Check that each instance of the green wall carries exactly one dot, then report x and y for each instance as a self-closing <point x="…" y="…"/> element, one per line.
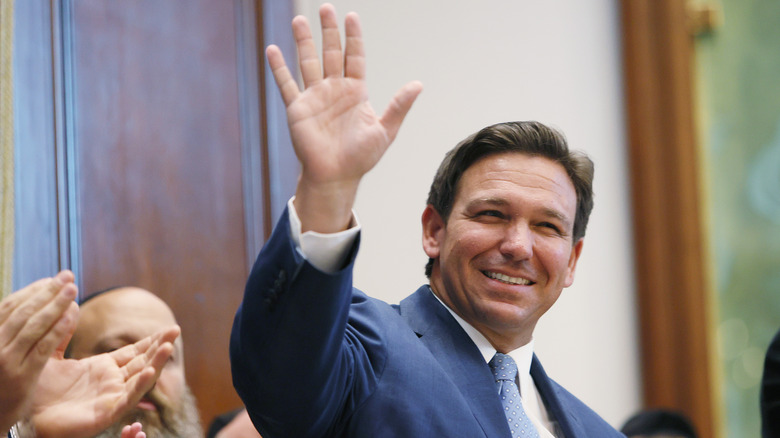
<point x="738" y="85"/>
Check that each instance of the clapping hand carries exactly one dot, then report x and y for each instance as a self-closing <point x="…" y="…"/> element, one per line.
<point x="33" y="322"/>
<point x="79" y="398"/>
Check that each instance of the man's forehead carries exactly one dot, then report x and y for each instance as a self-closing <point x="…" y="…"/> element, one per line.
<point x="519" y="167"/>
<point x="117" y="318"/>
<point x="125" y="309"/>
<point x="127" y="300"/>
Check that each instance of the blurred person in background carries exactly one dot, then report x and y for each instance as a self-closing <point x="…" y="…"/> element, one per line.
<point x="120" y="316"/>
<point x="49" y="396"/>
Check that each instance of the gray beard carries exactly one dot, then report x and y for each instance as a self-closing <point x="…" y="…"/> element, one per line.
<point x="181" y="423"/>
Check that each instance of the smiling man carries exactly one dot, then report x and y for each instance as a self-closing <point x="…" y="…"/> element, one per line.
<point x="117" y="317"/>
<point x="503" y="229"/>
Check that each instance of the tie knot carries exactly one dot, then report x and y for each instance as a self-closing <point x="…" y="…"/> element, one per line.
<point x="504" y="367"/>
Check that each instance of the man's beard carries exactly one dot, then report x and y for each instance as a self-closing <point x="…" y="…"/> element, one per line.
<point x="166" y="422"/>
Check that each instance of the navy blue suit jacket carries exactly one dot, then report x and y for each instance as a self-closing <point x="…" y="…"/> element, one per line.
<point x="313" y="357"/>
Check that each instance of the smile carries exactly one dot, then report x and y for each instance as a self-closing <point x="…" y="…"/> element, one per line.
<point x="506" y="279"/>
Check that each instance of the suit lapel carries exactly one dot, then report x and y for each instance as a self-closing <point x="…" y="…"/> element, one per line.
<point x="458" y="357"/>
<point x="569" y="426"/>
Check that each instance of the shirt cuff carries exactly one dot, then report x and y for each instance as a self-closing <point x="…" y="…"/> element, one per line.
<point x="326" y="252"/>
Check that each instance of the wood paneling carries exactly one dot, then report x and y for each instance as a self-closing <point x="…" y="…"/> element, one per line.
<point x="138" y="159"/>
<point x="671" y="279"/>
<point x="157" y="158"/>
<point x="144" y="156"/>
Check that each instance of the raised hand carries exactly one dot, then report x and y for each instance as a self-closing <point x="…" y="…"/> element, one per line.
<point x="33" y="322"/>
<point x="79" y="398"/>
<point x="336" y="134"/>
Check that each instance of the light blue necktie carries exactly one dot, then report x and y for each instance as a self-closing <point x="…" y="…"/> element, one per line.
<point x="505" y="371"/>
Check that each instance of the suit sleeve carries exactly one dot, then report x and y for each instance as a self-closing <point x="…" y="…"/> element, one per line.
<point x="297" y="364"/>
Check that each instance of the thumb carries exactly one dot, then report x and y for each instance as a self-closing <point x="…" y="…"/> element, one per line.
<point x="398" y="107"/>
<point x="59" y="353"/>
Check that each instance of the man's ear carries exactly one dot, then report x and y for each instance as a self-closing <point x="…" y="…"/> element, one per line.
<point x="576" y="250"/>
<point x="433" y="231"/>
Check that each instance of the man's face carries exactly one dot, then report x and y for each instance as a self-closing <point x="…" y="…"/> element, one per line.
<point x="506" y="251"/>
<point x="125" y="316"/>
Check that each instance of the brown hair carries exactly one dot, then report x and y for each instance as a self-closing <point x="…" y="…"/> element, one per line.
<point x="530" y="138"/>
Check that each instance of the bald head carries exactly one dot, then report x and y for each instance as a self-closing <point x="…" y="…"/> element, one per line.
<point x="117" y="318"/>
<point x="123" y="316"/>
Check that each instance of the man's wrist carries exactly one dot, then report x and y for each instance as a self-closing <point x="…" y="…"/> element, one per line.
<point x="326" y="252"/>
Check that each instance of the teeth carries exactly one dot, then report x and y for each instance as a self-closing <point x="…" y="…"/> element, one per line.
<point x="507" y="279"/>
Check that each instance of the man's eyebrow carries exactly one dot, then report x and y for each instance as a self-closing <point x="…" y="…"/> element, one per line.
<point x="489" y="201"/>
<point x="108" y="344"/>
<point x="550" y="212"/>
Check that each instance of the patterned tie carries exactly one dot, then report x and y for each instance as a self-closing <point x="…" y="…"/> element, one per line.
<point x="505" y="371"/>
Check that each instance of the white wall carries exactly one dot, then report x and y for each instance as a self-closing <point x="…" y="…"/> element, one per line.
<point x="482" y="63"/>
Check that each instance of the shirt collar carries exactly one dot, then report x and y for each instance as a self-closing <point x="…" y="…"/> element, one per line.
<point x="522" y="356"/>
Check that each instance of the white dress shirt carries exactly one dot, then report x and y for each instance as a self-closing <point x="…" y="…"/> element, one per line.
<point x="327" y="252"/>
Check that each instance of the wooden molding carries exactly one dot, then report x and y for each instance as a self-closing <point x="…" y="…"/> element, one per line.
<point x="670" y="253"/>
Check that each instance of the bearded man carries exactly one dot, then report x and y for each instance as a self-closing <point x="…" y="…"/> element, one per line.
<point x="111" y="319"/>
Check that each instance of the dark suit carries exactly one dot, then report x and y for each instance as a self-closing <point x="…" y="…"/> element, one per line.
<point x="770" y="391"/>
<point x="311" y="357"/>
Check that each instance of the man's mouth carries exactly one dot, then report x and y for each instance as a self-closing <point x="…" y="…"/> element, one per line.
<point x="147" y="405"/>
<point x="507" y="279"/>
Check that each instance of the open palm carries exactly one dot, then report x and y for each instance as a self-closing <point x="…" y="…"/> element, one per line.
<point x="337" y="135"/>
<point x="80" y="398"/>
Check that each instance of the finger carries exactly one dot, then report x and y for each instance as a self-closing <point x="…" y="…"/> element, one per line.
<point x="284" y="79"/>
<point x="332" y="60"/>
<point x="13" y="301"/>
<point x="311" y="72"/>
<point x="65" y="276"/>
<point x="132" y="431"/>
<point x="133" y="358"/>
<point x="134" y="389"/>
<point x="143" y="381"/>
<point x="59" y="352"/>
<point x="44" y="330"/>
<point x="170" y="334"/>
<point x="354" y="54"/>
<point x="146" y="346"/>
<point x="45" y="346"/>
<point x="398" y="108"/>
<point x="34" y="296"/>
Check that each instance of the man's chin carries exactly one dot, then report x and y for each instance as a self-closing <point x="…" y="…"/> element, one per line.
<point x="150" y="418"/>
<point x="161" y="420"/>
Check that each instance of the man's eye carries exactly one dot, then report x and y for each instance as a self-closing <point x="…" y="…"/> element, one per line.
<point x="551" y="226"/>
<point x="491" y="213"/>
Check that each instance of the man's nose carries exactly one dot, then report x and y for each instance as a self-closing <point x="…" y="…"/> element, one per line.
<point x="518" y="242"/>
